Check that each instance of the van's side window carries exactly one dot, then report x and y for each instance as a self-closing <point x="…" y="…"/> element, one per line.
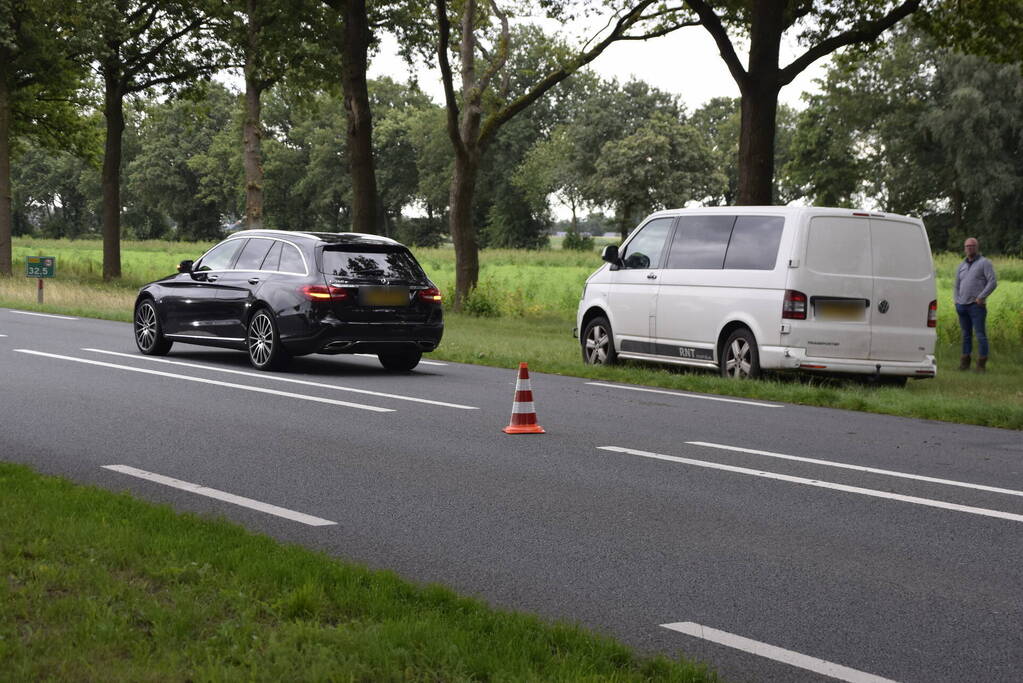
<point x="644" y="250"/>
<point x="700" y="242"/>
<point x="754" y="244"/>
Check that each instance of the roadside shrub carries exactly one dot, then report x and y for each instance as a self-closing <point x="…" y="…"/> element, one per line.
<point x="577" y="241"/>
<point x="482" y="301"/>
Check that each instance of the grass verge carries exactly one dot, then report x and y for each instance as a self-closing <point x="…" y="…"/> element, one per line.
<point x="99" y="586"/>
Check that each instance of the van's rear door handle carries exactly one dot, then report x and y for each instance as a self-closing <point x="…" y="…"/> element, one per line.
<point x="651" y="276"/>
<point x="212" y="278"/>
<point x="253" y="280"/>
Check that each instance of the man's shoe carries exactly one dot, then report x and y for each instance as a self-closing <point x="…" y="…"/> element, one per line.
<point x="982" y="364"/>
<point x="964" y="362"/>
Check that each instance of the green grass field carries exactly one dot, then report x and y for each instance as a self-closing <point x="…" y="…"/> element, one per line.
<point x="100" y="587"/>
<point x="526" y="305"/>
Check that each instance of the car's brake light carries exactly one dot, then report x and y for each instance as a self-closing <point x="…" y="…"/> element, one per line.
<point x="324" y="293"/>
<point x="794" y="305"/>
<point x="932" y="314"/>
<point x="430" y="295"/>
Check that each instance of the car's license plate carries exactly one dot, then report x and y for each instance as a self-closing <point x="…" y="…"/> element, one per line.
<point x="384" y="296"/>
<point x="852" y="310"/>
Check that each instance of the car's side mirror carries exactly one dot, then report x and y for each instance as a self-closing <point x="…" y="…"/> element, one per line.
<point x="610" y="254"/>
<point x="185" y="266"/>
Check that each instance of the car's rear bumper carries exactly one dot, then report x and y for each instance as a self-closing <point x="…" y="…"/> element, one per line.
<point x="792" y="358"/>
<point x="354" y="337"/>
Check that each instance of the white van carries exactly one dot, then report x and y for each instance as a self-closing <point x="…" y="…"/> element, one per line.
<point x="745" y="289"/>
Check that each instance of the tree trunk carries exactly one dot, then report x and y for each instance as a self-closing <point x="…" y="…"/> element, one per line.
<point x="760" y="104"/>
<point x="6" y="216"/>
<point x="463" y="232"/>
<point x="252" y="128"/>
<point x="113" y="112"/>
<point x="354" y="62"/>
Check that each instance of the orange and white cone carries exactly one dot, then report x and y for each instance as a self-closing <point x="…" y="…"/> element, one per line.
<point x="523" y="417"/>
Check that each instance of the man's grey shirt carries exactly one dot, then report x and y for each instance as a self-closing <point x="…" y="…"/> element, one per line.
<point x="974" y="280"/>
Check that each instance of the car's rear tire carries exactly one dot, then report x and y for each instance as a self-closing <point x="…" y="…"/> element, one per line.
<point x="740" y="358"/>
<point x="148" y="330"/>
<point x="402" y="361"/>
<point x="263" y="342"/>
<point x="598" y="343"/>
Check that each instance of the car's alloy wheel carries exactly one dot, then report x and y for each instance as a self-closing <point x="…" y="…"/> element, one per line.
<point x="264" y="342"/>
<point x="598" y="343"/>
<point x="148" y="333"/>
<point x="400" y="362"/>
<point x="740" y="358"/>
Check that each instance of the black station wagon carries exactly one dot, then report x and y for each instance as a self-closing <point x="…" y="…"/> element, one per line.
<point x="278" y="294"/>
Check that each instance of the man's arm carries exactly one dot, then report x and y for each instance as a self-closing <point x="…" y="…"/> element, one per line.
<point x="992" y="282"/>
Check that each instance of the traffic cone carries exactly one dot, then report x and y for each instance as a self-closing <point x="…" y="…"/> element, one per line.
<point x="523" y="417"/>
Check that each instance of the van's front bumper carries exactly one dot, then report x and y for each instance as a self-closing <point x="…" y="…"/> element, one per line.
<point x="791" y="358"/>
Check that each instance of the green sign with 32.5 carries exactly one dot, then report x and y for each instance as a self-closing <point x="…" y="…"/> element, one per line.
<point x="40" y="266"/>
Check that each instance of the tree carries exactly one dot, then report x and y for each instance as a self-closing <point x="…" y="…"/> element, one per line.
<point x="823" y="29"/>
<point x="139" y="45"/>
<point x="485" y="104"/>
<point x="38" y="80"/>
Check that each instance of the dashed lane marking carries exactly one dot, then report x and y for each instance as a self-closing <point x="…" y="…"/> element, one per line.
<point x="187" y="378"/>
<point x="778" y="654"/>
<point x="822" y="484"/>
<point x="221" y="495"/>
<point x="277" y="378"/>
<point x="43" y="315"/>
<point x="686" y="395"/>
<point x="860" y="468"/>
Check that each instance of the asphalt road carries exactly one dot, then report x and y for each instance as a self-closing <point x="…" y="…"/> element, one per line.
<point x="632" y="512"/>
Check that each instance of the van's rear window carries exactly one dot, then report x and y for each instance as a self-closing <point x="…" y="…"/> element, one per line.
<point x="371" y="263"/>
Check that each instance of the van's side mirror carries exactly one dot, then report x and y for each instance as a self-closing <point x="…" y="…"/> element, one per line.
<point x="185" y="266"/>
<point x="610" y="254"/>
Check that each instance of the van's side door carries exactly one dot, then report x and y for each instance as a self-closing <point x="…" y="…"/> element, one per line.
<point x="632" y="295"/>
<point x="903" y="291"/>
<point x="838" y="280"/>
<point x="693" y="295"/>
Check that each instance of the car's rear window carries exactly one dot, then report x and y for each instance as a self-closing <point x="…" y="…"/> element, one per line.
<point x="363" y="262"/>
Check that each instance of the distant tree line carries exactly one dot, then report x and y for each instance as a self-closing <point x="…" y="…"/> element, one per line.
<point x="111" y="122"/>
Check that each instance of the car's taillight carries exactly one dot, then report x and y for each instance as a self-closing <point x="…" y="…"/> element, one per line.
<point x="324" y="293"/>
<point x="932" y="314"/>
<point x="794" y="306"/>
<point x="431" y="295"/>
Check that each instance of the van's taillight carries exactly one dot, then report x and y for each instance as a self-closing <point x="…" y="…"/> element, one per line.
<point x="324" y="293"/>
<point x="431" y="295"/>
<point x="794" y="306"/>
<point x="932" y="314"/>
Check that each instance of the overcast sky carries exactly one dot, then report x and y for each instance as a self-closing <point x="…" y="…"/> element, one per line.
<point x="685" y="62"/>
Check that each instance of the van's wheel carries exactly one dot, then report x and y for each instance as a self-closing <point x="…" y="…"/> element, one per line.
<point x="264" y="342"/>
<point x="739" y="357"/>
<point x="148" y="331"/>
<point x="400" y="362"/>
<point x="598" y="343"/>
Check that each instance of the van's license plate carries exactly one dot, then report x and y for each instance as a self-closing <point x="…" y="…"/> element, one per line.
<point x="384" y="296"/>
<point x="853" y="310"/>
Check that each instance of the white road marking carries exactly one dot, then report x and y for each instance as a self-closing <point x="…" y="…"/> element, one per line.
<point x="43" y="315"/>
<point x="820" y="666"/>
<point x="422" y="362"/>
<point x="822" y="484"/>
<point x="860" y="468"/>
<point x="3" y="335"/>
<point x="292" y="380"/>
<point x="685" y="395"/>
<point x="221" y="495"/>
<point x="243" y="387"/>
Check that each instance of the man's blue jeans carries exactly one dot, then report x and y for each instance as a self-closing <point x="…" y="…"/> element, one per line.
<point x="971" y="320"/>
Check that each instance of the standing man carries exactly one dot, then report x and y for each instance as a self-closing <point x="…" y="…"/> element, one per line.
<point x="975" y="280"/>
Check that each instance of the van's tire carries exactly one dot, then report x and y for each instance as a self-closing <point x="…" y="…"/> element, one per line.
<point x="598" y="343"/>
<point x="263" y="342"/>
<point x="740" y="358"/>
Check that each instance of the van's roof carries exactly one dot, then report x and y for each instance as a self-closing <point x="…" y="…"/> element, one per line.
<point x="782" y="211"/>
